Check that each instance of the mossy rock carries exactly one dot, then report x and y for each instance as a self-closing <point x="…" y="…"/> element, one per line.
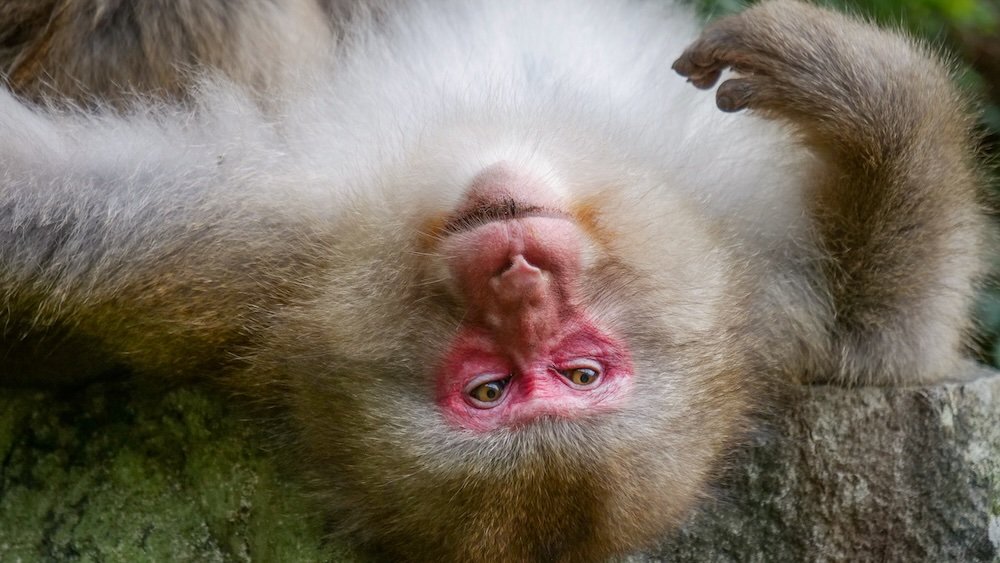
<point x="114" y="473"/>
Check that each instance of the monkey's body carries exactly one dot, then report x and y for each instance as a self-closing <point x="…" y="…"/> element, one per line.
<point x="336" y="251"/>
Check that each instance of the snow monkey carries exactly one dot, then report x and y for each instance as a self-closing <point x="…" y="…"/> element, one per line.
<point x="518" y="276"/>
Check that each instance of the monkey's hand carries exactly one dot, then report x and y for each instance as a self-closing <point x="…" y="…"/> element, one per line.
<point x="849" y="85"/>
<point x="895" y="206"/>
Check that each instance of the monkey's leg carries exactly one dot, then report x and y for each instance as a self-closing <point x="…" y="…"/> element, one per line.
<point x="895" y="212"/>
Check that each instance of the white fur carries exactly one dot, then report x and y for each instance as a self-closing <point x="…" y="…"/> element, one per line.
<point x="405" y="110"/>
<point x="448" y="88"/>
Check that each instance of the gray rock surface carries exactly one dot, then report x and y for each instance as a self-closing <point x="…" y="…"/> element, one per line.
<point x="114" y="474"/>
<point x="862" y="475"/>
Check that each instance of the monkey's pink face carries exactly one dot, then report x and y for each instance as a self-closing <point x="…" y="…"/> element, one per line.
<point x="526" y="348"/>
<point x="482" y="387"/>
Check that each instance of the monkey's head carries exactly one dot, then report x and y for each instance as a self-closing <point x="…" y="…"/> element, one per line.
<point x="516" y="363"/>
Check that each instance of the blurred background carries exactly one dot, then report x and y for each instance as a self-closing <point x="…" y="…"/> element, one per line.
<point x="969" y="31"/>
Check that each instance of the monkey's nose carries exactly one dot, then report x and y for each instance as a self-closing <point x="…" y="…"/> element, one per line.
<point x="525" y="308"/>
<point x="521" y="283"/>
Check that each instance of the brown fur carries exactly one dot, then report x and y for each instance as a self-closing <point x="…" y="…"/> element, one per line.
<point x="109" y="50"/>
<point x="896" y="194"/>
<point x="348" y="347"/>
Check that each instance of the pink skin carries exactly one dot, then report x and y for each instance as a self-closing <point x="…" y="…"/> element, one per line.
<point x="518" y="277"/>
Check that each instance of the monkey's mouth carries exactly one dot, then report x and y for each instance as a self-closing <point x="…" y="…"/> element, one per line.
<point x="505" y="209"/>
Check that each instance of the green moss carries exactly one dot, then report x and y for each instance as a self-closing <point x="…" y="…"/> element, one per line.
<point x="114" y="474"/>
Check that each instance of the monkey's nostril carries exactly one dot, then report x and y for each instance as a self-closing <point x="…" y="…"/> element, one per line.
<point x="518" y="281"/>
<point x="519" y="265"/>
<point x="506" y="266"/>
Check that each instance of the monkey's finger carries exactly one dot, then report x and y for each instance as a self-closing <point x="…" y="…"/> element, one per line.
<point x="703" y="79"/>
<point x="736" y="94"/>
<point x="699" y="66"/>
<point x="719" y="47"/>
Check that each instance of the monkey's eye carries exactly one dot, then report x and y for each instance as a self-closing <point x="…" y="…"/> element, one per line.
<point x="489" y="392"/>
<point x="582" y="376"/>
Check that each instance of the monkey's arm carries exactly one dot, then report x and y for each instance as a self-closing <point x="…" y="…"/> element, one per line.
<point x="158" y="240"/>
<point x="895" y="210"/>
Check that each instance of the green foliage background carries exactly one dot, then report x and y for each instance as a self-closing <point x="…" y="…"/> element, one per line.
<point x="969" y="30"/>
